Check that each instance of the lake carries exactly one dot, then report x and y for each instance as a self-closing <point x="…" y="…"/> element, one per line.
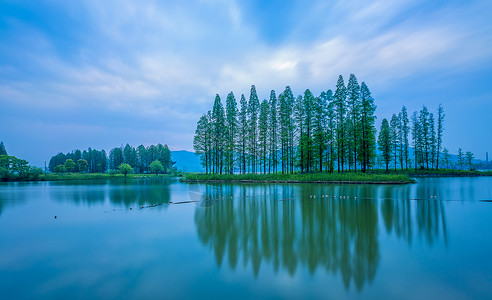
<point x="122" y="240"/>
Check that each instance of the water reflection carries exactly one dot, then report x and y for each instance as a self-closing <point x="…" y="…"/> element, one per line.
<point x="328" y="227"/>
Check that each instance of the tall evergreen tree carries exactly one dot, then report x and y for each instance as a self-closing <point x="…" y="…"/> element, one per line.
<point x="330" y="131"/>
<point x="384" y="143"/>
<point x="353" y="124"/>
<point x="263" y="134"/>
<point x="461" y="158"/>
<point x="3" y="151"/>
<point x="440" y="130"/>
<point x="469" y="158"/>
<point x="253" y="107"/>
<point x="299" y="116"/>
<point x="340" y="113"/>
<point x="319" y="130"/>
<point x="308" y="103"/>
<point x="425" y="135"/>
<point x="218" y="131"/>
<point x="432" y="141"/>
<point x="394" y="138"/>
<point x="289" y="99"/>
<point x="200" y="142"/>
<point x="405" y="130"/>
<point x="368" y="129"/>
<point x="243" y="134"/>
<point x="232" y="131"/>
<point x="273" y="133"/>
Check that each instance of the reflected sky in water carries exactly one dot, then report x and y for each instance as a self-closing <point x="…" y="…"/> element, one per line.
<point x="159" y="238"/>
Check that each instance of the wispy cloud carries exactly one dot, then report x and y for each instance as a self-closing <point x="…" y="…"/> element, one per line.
<point x="161" y="63"/>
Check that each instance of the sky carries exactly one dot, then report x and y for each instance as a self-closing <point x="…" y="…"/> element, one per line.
<point x="100" y="74"/>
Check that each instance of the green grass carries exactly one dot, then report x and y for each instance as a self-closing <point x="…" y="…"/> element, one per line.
<point x="312" y="178"/>
<point x="90" y="176"/>
<point x="437" y="173"/>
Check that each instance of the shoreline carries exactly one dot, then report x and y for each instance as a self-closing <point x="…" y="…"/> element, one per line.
<point x="291" y="181"/>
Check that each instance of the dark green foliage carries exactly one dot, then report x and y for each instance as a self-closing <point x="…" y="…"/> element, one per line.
<point x="340" y="107"/>
<point x="69" y="165"/>
<point x="231" y="126"/>
<point x="3" y="151"/>
<point x="82" y="164"/>
<point x="16" y="169"/>
<point x="98" y="162"/>
<point x="307" y="134"/>
<point x="367" y="128"/>
<point x="263" y="135"/>
<point x="384" y="143"/>
<point x="156" y="167"/>
<point x="125" y="169"/>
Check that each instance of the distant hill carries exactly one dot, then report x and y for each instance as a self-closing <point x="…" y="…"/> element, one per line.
<point x="187" y="161"/>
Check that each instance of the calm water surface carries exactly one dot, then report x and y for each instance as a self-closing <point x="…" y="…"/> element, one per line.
<point x="112" y="239"/>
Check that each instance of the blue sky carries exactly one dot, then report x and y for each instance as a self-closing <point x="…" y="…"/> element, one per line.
<point x="78" y="74"/>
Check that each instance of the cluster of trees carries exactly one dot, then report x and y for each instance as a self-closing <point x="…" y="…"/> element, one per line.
<point x="90" y="161"/>
<point x="151" y="159"/>
<point x="16" y="169"/>
<point x="334" y="131"/>
<point x="141" y="158"/>
<point x="426" y="138"/>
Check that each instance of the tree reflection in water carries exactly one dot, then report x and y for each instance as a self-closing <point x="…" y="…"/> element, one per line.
<point x="330" y="227"/>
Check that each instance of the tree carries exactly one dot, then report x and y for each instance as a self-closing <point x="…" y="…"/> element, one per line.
<point x="417" y="141"/>
<point x="201" y="141"/>
<point x="308" y="103"/>
<point x="253" y="107"/>
<point x="461" y="158"/>
<point x="469" y="157"/>
<point x="432" y="140"/>
<point x="218" y="133"/>
<point x="319" y="129"/>
<point x="394" y="138"/>
<point x="156" y="167"/>
<point x="299" y="115"/>
<point x="263" y="133"/>
<point x="125" y="168"/>
<point x="405" y="130"/>
<point x="340" y="112"/>
<point x="440" y="130"/>
<point x="243" y="133"/>
<point x="69" y="165"/>
<point x="330" y="131"/>
<point x="368" y="129"/>
<point x="353" y="107"/>
<point x="115" y="158"/>
<point x="60" y="169"/>
<point x="446" y="157"/>
<point x="384" y="143"/>
<point x="82" y="163"/>
<point x="141" y="158"/>
<point x="273" y="133"/>
<point x="231" y="131"/>
<point x="3" y="151"/>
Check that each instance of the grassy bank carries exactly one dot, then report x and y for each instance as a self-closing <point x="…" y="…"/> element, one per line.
<point x="297" y="178"/>
<point x="435" y="173"/>
<point x="91" y="176"/>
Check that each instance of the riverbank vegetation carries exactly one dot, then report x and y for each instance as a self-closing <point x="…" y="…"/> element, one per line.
<point x="92" y="176"/>
<point x="140" y="159"/>
<point x="16" y="169"/>
<point x="333" y="132"/>
<point x="299" y="178"/>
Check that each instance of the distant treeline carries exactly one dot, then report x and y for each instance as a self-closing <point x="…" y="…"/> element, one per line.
<point x="332" y="132"/>
<point x="95" y="161"/>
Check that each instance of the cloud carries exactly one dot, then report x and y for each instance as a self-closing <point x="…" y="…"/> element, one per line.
<point x="160" y="64"/>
